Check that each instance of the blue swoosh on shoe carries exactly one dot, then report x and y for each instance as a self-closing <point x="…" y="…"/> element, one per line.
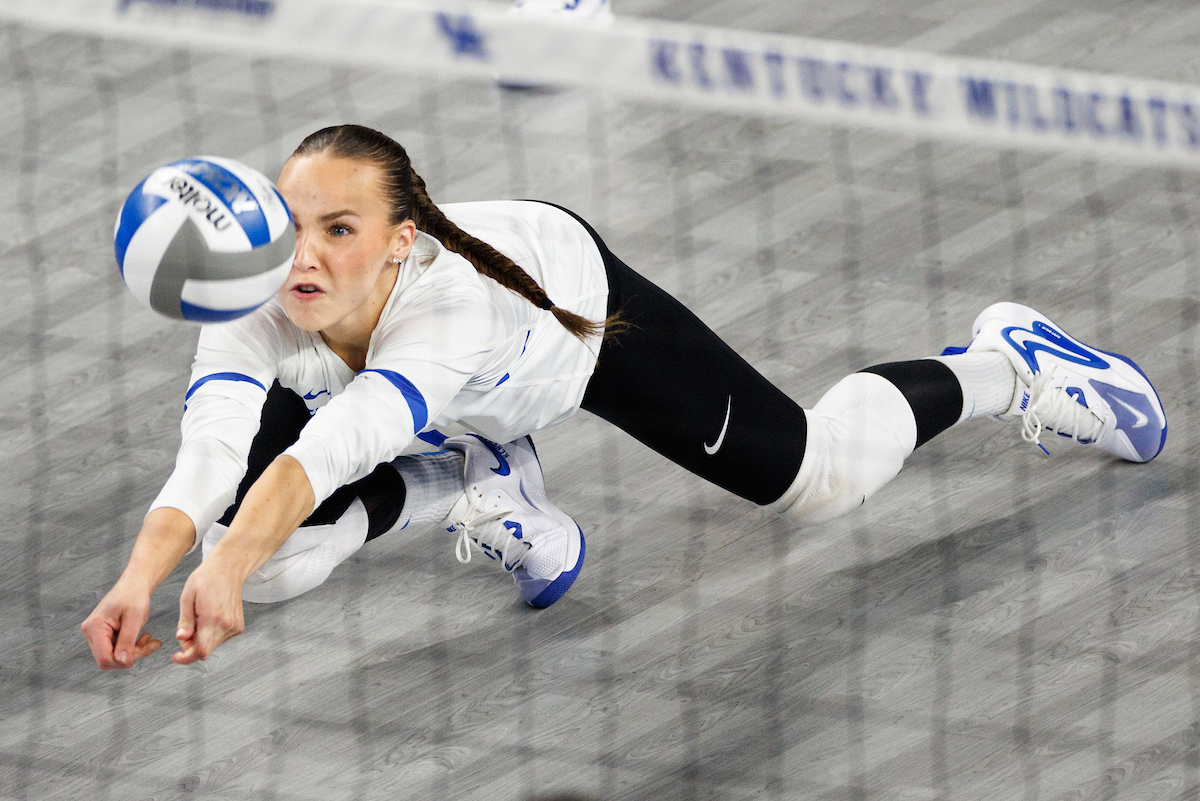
<point x="1055" y="343"/>
<point x="1134" y="414"/>
<point x="500" y="454"/>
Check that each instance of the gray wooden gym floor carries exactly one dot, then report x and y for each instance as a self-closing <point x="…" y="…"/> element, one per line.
<point x="993" y="625"/>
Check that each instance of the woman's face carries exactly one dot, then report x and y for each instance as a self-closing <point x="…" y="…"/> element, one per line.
<point x="343" y="271"/>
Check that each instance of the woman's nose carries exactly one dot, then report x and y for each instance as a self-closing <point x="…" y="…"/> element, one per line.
<point x="305" y="258"/>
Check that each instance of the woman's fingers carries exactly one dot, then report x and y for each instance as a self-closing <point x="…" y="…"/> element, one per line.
<point x="145" y="646"/>
<point x="210" y="612"/>
<point x="131" y="624"/>
<point x="100" y="635"/>
<point x="187" y="615"/>
<point x="113" y="627"/>
<point x="208" y="637"/>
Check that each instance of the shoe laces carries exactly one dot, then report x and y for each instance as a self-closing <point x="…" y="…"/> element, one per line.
<point x="1052" y="409"/>
<point x="486" y="531"/>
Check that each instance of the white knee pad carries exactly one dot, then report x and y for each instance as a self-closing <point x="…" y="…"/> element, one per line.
<point x="305" y="560"/>
<point x="859" y="435"/>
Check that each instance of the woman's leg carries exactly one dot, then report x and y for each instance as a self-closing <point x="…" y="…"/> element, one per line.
<point x="409" y="490"/>
<point x="673" y="384"/>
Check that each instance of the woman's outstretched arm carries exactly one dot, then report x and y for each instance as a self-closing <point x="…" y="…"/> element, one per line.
<point x="210" y="608"/>
<point x="112" y="629"/>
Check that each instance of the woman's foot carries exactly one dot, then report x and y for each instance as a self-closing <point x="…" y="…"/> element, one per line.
<point x="1092" y="396"/>
<point x="506" y="514"/>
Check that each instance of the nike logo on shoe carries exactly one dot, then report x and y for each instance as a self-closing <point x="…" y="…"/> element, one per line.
<point x="1041" y="337"/>
<point x="716" y="446"/>
<point x="1140" y="417"/>
<point x="1133" y="411"/>
<point x="502" y="468"/>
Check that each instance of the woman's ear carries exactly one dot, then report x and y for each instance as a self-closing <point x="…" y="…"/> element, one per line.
<point x="403" y="237"/>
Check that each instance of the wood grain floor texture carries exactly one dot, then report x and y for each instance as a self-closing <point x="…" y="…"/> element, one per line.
<point x="993" y="625"/>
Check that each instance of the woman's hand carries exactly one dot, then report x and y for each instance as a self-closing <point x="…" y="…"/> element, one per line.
<point x="210" y="608"/>
<point x="210" y="612"/>
<point x="113" y="626"/>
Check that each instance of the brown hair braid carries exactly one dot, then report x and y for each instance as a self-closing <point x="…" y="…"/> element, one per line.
<point x="407" y="198"/>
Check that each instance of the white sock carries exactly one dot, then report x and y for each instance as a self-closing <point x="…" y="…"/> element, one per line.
<point x="432" y="483"/>
<point x="988" y="382"/>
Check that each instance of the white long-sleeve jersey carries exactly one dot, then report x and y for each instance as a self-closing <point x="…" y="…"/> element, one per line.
<point x="453" y="352"/>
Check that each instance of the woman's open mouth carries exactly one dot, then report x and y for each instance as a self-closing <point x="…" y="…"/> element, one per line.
<point x="306" y="291"/>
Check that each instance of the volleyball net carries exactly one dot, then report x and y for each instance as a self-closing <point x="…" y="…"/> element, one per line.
<point x="822" y="205"/>
<point x="930" y="96"/>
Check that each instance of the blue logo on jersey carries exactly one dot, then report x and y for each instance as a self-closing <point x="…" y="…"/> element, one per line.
<point x="502" y="468"/>
<point x="314" y="395"/>
<point x="1058" y="345"/>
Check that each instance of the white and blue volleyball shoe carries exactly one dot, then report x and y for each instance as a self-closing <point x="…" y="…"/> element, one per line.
<point x="1092" y="396"/>
<point x="506" y="514"/>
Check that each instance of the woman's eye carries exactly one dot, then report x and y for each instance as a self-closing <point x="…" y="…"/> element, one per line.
<point x="338" y="230"/>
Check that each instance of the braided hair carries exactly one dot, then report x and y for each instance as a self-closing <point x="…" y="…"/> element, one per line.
<point x="405" y="193"/>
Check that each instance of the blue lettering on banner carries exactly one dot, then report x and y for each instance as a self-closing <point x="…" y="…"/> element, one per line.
<point x="1026" y="107"/>
<point x="1064" y="115"/>
<point x="1012" y="104"/>
<point x="1158" y="116"/>
<point x="775" y="73"/>
<point x="918" y="83"/>
<point x="662" y="59"/>
<point x="981" y="99"/>
<point x="460" y="32"/>
<point x="260" y="9"/>
<point x="698" y="52"/>
<point x="1186" y="113"/>
<point x="812" y="78"/>
<point x="1034" y="110"/>
<point x="1130" y="125"/>
<point x="737" y="67"/>
<point x="882" y="95"/>
<point x="1091" y="117"/>
<point x="844" y="92"/>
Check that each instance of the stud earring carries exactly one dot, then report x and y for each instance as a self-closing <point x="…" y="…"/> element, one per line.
<point x="395" y="261"/>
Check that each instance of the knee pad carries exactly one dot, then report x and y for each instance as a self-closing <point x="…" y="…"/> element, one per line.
<point x="859" y="435"/>
<point x="305" y="560"/>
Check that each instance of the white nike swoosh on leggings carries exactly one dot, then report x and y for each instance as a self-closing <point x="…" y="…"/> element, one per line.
<point x="716" y="446"/>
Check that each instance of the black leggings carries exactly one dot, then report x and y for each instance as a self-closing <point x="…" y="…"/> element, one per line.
<point x="667" y="380"/>
<point x="283" y="416"/>
<point x="672" y="384"/>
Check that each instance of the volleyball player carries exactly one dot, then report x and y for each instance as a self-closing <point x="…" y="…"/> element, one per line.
<point x="405" y="328"/>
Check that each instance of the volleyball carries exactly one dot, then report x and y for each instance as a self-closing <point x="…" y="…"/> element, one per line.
<point x="204" y="239"/>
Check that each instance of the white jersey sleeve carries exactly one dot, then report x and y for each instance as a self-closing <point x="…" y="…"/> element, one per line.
<point x="235" y="364"/>
<point x="422" y="353"/>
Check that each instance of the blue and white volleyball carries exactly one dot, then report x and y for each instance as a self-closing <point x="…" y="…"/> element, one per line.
<point x="205" y="239"/>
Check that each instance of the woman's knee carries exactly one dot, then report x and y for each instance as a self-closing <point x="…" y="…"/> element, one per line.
<point x="304" y="561"/>
<point x="859" y="435"/>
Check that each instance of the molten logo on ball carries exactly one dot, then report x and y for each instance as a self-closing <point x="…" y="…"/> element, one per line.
<point x="204" y="239"/>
